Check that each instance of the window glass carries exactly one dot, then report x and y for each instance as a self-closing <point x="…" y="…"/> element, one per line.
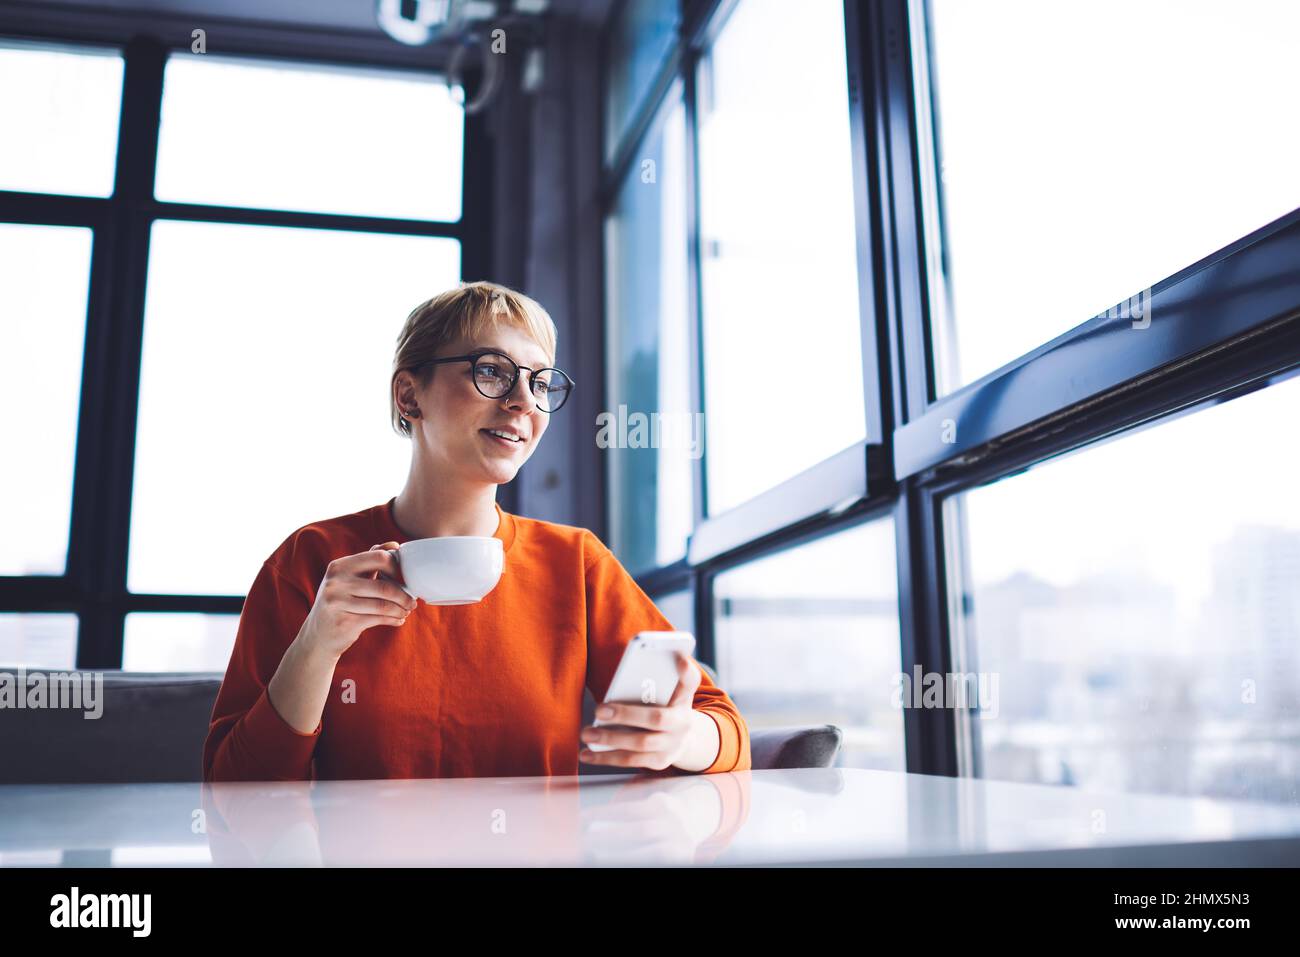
<point x="782" y="338"/>
<point x="161" y="855"/>
<point x="163" y="641"/>
<point x="679" y="608"/>
<point x="36" y="857"/>
<point x="62" y="105"/>
<point x="640" y="37"/>
<point x="1138" y="602"/>
<point x="38" y="641"/>
<point x="330" y="140"/>
<point x="649" y="435"/>
<point x="44" y="282"/>
<point x="810" y="636"/>
<point x="1088" y="150"/>
<point x="264" y="391"/>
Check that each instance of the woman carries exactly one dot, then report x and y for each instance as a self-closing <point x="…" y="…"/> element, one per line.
<point x="338" y="673"/>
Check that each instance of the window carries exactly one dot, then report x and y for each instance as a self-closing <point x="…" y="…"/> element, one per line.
<point x="810" y="636"/>
<point x="1086" y="151"/>
<point x="38" y="641"/>
<point x="732" y="296"/>
<point x="641" y="35"/>
<point x="781" y="321"/>
<point x="61" y="105"/>
<point x="264" y="390"/>
<point x="230" y="335"/>
<point x="1137" y="601"/>
<point x="44" y="279"/>
<point x="289" y="136"/>
<point x="653" y="439"/>
<point x="1010" y="174"/>
<point x="679" y="608"/>
<point x="157" y="641"/>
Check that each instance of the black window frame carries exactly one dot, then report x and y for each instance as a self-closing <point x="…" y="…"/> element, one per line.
<point x="94" y="585"/>
<point x="1228" y="325"/>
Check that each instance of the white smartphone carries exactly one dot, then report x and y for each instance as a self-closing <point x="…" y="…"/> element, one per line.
<point x="647" y="672"/>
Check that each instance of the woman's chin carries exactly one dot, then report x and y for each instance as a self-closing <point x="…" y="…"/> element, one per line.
<point x="499" y="473"/>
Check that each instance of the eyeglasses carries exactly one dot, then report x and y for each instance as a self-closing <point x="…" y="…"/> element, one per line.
<point x="495" y="375"/>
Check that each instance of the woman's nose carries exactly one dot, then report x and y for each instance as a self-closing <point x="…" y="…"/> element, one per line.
<point x="522" y="393"/>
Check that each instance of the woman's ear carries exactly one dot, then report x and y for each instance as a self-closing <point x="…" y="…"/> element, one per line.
<point x="404" y="391"/>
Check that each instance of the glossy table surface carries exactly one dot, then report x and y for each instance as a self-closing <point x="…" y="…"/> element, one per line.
<point x="803" y="816"/>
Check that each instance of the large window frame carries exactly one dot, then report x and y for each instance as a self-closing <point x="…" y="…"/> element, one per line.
<point x="850" y="486"/>
<point x="93" y="585"/>
<point x="1228" y="325"/>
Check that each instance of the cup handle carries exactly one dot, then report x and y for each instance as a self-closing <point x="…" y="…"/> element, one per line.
<point x="397" y="557"/>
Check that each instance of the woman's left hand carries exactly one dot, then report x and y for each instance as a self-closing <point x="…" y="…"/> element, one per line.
<point x="657" y="736"/>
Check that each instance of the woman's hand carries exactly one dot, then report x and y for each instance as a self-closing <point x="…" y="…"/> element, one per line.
<point x="358" y="592"/>
<point x="657" y="736"/>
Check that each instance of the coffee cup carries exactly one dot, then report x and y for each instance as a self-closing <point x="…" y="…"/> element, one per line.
<point x="452" y="569"/>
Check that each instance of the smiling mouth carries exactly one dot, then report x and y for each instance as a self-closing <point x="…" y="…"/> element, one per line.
<point x="512" y="443"/>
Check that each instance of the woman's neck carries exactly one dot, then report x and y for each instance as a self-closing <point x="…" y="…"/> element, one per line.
<point x="435" y="510"/>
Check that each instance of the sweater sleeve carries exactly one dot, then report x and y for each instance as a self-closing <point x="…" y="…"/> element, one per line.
<point x="617" y="609"/>
<point x="247" y="739"/>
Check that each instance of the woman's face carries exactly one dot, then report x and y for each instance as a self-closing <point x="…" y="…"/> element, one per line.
<point x="455" y="417"/>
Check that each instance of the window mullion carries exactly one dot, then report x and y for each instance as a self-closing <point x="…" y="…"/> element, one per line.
<point x="102" y="498"/>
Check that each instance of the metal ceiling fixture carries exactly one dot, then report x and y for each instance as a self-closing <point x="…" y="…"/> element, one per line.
<point x="493" y="27"/>
<point x="416" y="22"/>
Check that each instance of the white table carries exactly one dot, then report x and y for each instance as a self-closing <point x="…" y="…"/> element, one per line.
<point x="823" y="816"/>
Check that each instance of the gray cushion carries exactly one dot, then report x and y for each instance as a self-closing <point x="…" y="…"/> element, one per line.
<point x="151" y="728"/>
<point x="812" y="746"/>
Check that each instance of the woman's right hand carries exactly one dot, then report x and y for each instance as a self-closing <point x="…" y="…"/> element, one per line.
<point x="358" y="592"/>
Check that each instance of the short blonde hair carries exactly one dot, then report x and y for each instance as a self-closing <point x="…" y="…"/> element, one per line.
<point x="466" y="312"/>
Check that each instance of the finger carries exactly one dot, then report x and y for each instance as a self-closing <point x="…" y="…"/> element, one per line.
<point x="375" y="621"/>
<point x="651" y="716"/>
<point x="358" y="605"/>
<point x="394" y="571"/>
<point x="365" y="563"/>
<point x="625" y="759"/>
<point x="368" y="589"/>
<point x="366" y="620"/>
<point x="625" y="739"/>
<point x="602" y="757"/>
<point x="688" y="680"/>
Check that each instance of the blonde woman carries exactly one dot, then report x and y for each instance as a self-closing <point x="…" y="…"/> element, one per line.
<point x="337" y="673"/>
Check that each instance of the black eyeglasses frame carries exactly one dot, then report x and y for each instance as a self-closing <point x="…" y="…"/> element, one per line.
<point x="475" y="356"/>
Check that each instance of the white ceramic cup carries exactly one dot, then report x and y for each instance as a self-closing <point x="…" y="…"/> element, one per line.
<point x="451" y="570"/>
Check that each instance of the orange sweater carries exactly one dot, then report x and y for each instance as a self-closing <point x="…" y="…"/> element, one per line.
<point x="488" y="689"/>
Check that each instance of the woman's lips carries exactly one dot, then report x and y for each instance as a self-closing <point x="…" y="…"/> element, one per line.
<point x="500" y="441"/>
